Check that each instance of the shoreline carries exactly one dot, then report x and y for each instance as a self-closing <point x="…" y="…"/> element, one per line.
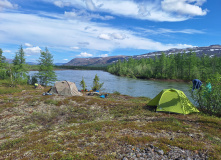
<point x="152" y="79"/>
<point x="170" y="80"/>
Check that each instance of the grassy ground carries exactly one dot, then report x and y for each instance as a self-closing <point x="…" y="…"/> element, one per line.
<point x="33" y="126"/>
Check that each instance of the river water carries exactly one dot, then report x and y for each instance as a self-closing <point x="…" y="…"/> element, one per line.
<point x="124" y="85"/>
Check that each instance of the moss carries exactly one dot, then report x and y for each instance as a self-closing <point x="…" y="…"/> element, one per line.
<point x="12" y="143"/>
<point x="58" y="127"/>
<point x="136" y="140"/>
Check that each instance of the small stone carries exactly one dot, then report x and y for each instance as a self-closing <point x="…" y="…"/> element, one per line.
<point x="179" y="131"/>
<point x="191" y="135"/>
<point x="131" y="154"/>
<point x="144" y="155"/>
<point x="125" y="158"/>
<point x="138" y="155"/>
<point x="149" y="149"/>
<point x="161" y="152"/>
<point x="151" y="146"/>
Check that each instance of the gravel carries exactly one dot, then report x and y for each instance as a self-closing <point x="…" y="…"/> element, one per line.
<point x="150" y="152"/>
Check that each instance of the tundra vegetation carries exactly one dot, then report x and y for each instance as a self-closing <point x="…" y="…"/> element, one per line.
<point x="34" y="126"/>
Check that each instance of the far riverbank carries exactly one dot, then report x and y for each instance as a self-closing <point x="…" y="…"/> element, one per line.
<point x="123" y="85"/>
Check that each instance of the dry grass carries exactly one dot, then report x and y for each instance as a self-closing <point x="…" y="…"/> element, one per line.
<point x="33" y="126"/>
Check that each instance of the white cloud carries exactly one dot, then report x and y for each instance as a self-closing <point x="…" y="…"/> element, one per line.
<point x="32" y="51"/>
<point x="166" y="31"/>
<point x="61" y="4"/>
<point x="61" y="33"/>
<point x="85" y="54"/>
<point x="90" y="5"/>
<point x="104" y="36"/>
<point x="75" y="48"/>
<point x="118" y="36"/>
<point x="7" y="4"/>
<point x="185" y="31"/>
<point x="65" y="59"/>
<point x="158" y="10"/>
<point x="6" y="51"/>
<point x="147" y="10"/>
<point x="112" y="36"/>
<point x="28" y="45"/>
<point x="84" y="15"/>
<point x="103" y="55"/>
<point x="184" y="7"/>
<point x="143" y="10"/>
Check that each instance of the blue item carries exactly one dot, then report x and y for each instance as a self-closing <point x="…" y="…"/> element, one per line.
<point x="102" y="96"/>
<point x="97" y="91"/>
<point x="196" y="84"/>
<point x="208" y="90"/>
<point x="208" y="87"/>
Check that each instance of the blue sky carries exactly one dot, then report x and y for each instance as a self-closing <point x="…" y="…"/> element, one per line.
<point x="99" y="28"/>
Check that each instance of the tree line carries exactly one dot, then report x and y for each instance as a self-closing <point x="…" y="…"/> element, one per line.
<point x="184" y="66"/>
<point x="17" y="71"/>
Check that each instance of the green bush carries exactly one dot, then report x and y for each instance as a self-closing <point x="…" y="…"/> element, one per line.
<point x="82" y="84"/>
<point x="96" y="84"/>
<point x="116" y="93"/>
<point x="3" y="74"/>
<point x="209" y="100"/>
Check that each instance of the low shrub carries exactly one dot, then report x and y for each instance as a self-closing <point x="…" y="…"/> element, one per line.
<point x="208" y="99"/>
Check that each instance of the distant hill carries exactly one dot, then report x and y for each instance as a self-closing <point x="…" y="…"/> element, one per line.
<point x="59" y="64"/>
<point x="210" y="50"/>
<point x="9" y="60"/>
<point x="94" y="61"/>
<point x="34" y="63"/>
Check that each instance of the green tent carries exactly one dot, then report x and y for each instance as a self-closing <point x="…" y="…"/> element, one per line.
<point x="172" y="100"/>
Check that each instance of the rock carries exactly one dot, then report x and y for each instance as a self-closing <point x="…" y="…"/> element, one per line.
<point x="151" y="152"/>
<point x="138" y="155"/>
<point x="191" y="135"/>
<point x="151" y="146"/>
<point x="160" y="151"/>
<point x="138" y="149"/>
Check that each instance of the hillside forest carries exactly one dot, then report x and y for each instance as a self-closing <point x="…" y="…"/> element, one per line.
<point x="184" y="66"/>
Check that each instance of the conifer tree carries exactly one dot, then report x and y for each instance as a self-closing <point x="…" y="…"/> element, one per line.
<point x="96" y="84"/>
<point x="3" y="71"/>
<point x="46" y="73"/>
<point x="19" y="71"/>
<point x="82" y="84"/>
<point x="2" y="59"/>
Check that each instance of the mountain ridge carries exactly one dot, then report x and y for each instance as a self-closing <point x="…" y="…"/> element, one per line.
<point x="208" y="50"/>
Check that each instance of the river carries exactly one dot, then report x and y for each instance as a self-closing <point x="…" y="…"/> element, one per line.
<point x="124" y="85"/>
